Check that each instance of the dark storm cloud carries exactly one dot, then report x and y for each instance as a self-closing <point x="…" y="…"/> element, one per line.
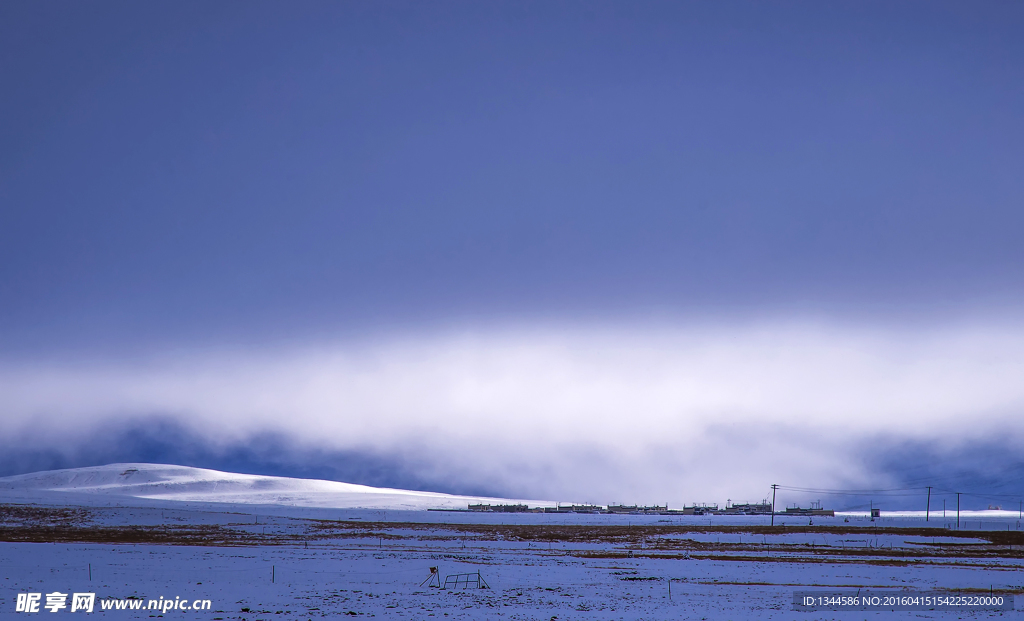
<point x="262" y="170"/>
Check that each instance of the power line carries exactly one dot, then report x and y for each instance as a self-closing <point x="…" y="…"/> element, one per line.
<point x="899" y="492"/>
<point x="902" y="491"/>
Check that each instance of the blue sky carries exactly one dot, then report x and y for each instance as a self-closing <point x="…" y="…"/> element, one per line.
<point x="225" y="183"/>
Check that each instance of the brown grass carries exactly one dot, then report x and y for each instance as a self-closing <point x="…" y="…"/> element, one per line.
<point x="164" y="535"/>
<point x="31" y="514"/>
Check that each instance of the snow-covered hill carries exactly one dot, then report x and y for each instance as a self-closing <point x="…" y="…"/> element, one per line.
<point x="181" y="483"/>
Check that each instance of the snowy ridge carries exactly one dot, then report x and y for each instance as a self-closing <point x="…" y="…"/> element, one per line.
<point x="186" y="484"/>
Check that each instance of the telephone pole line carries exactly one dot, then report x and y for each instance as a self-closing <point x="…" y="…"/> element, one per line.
<point x="774" y="487"/>
<point x="928" y="507"/>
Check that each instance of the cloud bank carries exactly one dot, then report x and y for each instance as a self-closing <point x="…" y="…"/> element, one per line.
<point x="698" y="412"/>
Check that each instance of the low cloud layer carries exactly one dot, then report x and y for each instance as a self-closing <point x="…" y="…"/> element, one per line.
<point x="702" y="412"/>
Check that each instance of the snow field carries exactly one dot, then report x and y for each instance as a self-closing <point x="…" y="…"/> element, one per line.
<point x="375" y="569"/>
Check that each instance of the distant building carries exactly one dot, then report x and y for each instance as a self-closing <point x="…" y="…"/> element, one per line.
<point x="575" y="509"/>
<point x="636" y="509"/>
<point x="503" y="508"/>
<point x="702" y="509"/>
<point x="814" y="510"/>
<point x="762" y="508"/>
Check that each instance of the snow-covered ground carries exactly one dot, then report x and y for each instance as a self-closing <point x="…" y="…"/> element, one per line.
<point x="309" y="559"/>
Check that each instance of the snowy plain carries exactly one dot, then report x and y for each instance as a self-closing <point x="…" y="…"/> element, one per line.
<point x="268" y="548"/>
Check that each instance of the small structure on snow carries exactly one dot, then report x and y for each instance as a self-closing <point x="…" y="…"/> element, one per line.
<point x="434" y="576"/>
<point x="456" y="581"/>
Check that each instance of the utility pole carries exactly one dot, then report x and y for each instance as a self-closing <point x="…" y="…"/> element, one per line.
<point x="928" y="507"/>
<point x="958" y="510"/>
<point x="774" y="487"/>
